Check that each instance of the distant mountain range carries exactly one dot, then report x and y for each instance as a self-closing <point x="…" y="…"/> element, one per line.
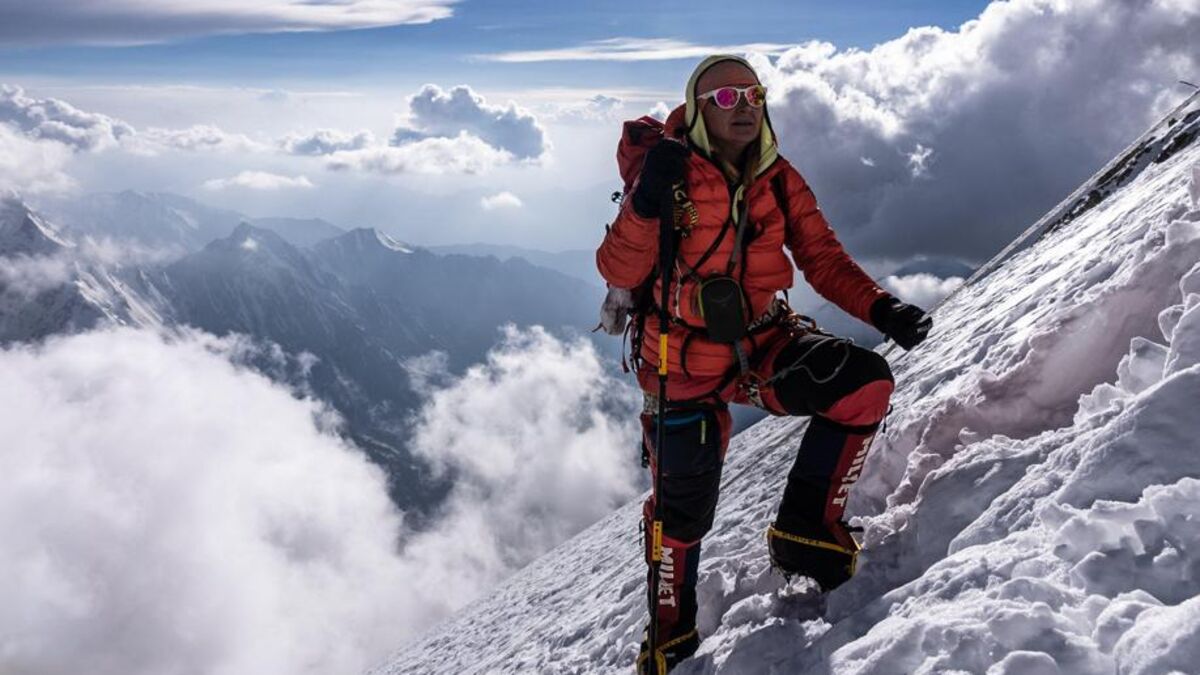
<point x="171" y="222"/>
<point x="578" y="263"/>
<point x="359" y="301"/>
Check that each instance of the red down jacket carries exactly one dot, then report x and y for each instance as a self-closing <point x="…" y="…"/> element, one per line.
<point x="629" y="255"/>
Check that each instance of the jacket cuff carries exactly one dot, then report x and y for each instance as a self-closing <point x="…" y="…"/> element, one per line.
<point x="880" y="309"/>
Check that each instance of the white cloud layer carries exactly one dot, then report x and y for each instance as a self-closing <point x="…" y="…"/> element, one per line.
<point x="952" y="142"/>
<point x="166" y="511"/>
<point x="50" y="121"/>
<point x="23" y="277"/>
<point x="541" y="442"/>
<point x="198" y="137"/>
<point x="923" y="290"/>
<point x="32" y="166"/>
<point x="501" y="200"/>
<point x="597" y="108"/>
<point x="633" y="49"/>
<point x="134" y="22"/>
<point x="258" y="180"/>
<point x="326" y="142"/>
<point x="463" y="153"/>
<point x="55" y="120"/>
<point x="438" y="113"/>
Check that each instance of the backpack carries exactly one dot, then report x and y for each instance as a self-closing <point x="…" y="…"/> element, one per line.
<point x="637" y="137"/>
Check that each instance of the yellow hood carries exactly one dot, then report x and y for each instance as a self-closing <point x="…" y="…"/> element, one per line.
<point x="698" y="135"/>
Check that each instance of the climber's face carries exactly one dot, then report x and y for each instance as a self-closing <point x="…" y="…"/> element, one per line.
<point x="736" y="127"/>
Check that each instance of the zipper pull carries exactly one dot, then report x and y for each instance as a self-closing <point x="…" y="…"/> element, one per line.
<point x="703" y="429"/>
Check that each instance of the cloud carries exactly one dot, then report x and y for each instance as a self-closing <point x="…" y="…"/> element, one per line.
<point x="32" y="166"/>
<point x="541" y="442"/>
<point x="275" y="96"/>
<point x="134" y="22"/>
<point x="660" y="111"/>
<point x="436" y="113"/>
<point x="326" y="142"/>
<point x="463" y="153"/>
<point x="633" y="49"/>
<point x="198" y="137"/>
<point x="598" y="108"/>
<point x="109" y="252"/>
<point x="23" y="277"/>
<point x="953" y="142"/>
<point x="50" y="119"/>
<point x="923" y="290"/>
<point x="258" y="180"/>
<point x="501" y="200"/>
<point x="55" y="120"/>
<point x="454" y="131"/>
<point x="165" y="510"/>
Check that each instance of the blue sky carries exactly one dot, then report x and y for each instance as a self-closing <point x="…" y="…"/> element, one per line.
<point x="445" y="50"/>
<point x="927" y="128"/>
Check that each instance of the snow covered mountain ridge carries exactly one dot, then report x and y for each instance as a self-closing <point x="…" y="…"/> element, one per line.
<point x="1031" y="506"/>
<point x="24" y="233"/>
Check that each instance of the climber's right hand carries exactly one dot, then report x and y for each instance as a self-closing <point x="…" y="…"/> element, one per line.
<point x="662" y="168"/>
<point x="906" y="324"/>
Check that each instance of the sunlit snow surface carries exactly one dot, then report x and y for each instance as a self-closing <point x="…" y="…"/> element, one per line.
<point x="1033" y="506"/>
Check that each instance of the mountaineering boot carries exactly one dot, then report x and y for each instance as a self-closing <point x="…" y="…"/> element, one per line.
<point x="675" y="607"/>
<point x="827" y="554"/>
<point x="808" y="537"/>
<point x="670" y="652"/>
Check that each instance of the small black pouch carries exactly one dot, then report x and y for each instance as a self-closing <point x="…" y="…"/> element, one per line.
<point x="723" y="308"/>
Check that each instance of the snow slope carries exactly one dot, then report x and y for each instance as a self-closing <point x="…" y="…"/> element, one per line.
<point x="1033" y="505"/>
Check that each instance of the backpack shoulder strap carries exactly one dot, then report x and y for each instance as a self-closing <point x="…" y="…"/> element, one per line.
<point x="779" y="187"/>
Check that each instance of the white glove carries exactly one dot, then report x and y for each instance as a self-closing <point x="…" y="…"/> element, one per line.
<point x="615" y="310"/>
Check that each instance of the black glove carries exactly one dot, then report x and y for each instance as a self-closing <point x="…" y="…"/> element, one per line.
<point x="662" y="168"/>
<point x="906" y="324"/>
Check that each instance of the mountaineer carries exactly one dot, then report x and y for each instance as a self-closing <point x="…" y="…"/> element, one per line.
<point x="713" y="172"/>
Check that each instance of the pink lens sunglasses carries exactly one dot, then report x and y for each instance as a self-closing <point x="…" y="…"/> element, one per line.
<point x="726" y="98"/>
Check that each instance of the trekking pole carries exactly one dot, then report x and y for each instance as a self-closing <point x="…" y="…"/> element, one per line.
<point x="665" y="260"/>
